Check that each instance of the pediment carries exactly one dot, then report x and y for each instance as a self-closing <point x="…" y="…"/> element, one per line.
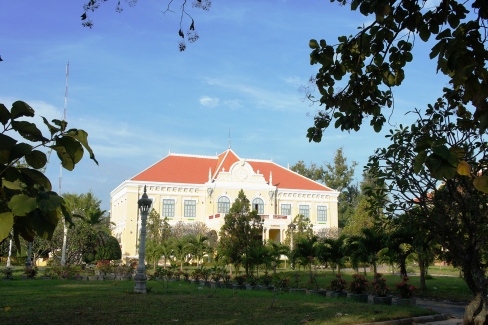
<point x="242" y="172"/>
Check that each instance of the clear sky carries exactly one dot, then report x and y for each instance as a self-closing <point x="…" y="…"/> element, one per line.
<point x="138" y="97"/>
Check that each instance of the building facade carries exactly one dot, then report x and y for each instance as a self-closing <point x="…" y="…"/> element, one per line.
<point x="191" y="188"/>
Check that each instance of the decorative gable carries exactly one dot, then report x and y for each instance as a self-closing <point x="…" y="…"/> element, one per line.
<point x="241" y="171"/>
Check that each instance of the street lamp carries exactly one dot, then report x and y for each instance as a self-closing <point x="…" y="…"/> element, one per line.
<point x="140" y="278"/>
<point x="292" y="228"/>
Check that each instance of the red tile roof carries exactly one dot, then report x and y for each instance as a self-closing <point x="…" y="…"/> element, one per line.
<point x="190" y="169"/>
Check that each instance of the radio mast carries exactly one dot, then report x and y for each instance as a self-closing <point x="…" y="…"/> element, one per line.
<point x="65" y="230"/>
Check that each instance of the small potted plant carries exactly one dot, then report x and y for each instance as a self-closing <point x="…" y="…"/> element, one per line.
<point x="337" y="286"/>
<point x="7" y="273"/>
<point x="186" y="275"/>
<point x="358" y="287"/>
<point x="226" y="281"/>
<point x="30" y="273"/>
<point x="406" y="291"/>
<point x="381" y="290"/>
<point x="240" y="279"/>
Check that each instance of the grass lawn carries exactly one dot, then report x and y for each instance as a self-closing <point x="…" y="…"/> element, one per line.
<point x="112" y="302"/>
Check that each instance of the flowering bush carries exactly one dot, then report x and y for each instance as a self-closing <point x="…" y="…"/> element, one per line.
<point x="186" y="275"/>
<point x="240" y="279"/>
<point x="66" y="271"/>
<point x="406" y="290"/>
<point x="124" y="269"/>
<point x="380" y="288"/>
<point x="104" y="266"/>
<point x="266" y="279"/>
<point x="252" y="280"/>
<point x="338" y="284"/>
<point x="359" y="284"/>
<point x="226" y="278"/>
<point x="30" y="272"/>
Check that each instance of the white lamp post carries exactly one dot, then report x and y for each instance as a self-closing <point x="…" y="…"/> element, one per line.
<point x="9" y="252"/>
<point x="140" y="278"/>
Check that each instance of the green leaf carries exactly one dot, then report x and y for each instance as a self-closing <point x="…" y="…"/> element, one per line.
<point x="481" y="183"/>
<point x="29" y="131"/>
<point x="19" y="151"/>
<point x="36" y="177"/>
<point x="444" y="171"/>
<point x="4" y="114"/>
<point x="44" y="223"/>
<point x="82" y="137"/>
<point x="419" y="162"/>
<point x="62" y="124"/>
<point x="424" y="33"/>
<point x="463" y="168"/>
<point x="36" y="159"/>
<point x="52" y="129"/>
<point x="433" y="162"/>
<point x="441" y="151"/>
<point x="20" y="108"/>
<point x="6" y="224"/>
<point x="22" y="204"/>
<point x="6" y="142"/>
<point x="453" y="20"/>
<point x="12" y="185"/>
<point x="342" y="39"/>
<point x="436" y="49"/>
<point x="313" y="44"/>
<point x="48" y="201"/>
<point x="69" y="151"/>
<point x="444" y="34"/>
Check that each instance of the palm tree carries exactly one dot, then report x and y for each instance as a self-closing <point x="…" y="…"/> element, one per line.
<point x="181" y="249"/>
<point x="305" y="251"/>
<point x="333" y="251"/>
<point x="368" y="245"/>
<point x="199" y="247"/>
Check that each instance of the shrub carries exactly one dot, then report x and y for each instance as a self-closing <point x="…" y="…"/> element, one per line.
<point x="406" y="290"/>
<point x="380" y="288"/>
<point x="338" y="284"/>
<point x="359" y="284"/>
<point x="240" y="279"/>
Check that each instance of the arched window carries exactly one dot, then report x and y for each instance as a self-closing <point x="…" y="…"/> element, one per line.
<point x="223" y="204"/>
<point x="258" y="204"/>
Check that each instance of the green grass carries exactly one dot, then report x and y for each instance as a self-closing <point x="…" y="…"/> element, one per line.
<point x="112" y="302"/>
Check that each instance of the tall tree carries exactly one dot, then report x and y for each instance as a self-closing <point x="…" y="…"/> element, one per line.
<point x="339" y="176"/>
<point x="312" y="171"/>
<point x="241" y="232"/>
<point x="444" y="197"/>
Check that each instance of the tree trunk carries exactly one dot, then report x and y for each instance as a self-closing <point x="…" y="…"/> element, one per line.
<point x="422" y="268"/>
<point x="475" y="312"/>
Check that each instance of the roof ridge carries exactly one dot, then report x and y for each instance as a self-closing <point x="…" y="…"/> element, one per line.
<point x="311" y="180"/>
<point x="260" y="160"/>
<point x="190" y="155"/>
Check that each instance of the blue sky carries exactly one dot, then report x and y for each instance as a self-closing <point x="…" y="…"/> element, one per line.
<point x="138" y="97"/>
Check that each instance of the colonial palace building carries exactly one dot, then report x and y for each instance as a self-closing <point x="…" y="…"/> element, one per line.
<point x="192" y="188"/>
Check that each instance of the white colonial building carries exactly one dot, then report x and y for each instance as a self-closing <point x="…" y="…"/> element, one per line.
<point x="193" y="188"/>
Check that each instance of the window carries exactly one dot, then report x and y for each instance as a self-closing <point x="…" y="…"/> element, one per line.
<point x="190" y="209"/>
<point x="286" y="209"/>
<point x="223" y="204"/>
<point x="304" y="210"/>
<point x="168" y="208"/>
<point x="258" y="204"/>
<point x="321" y="213"/>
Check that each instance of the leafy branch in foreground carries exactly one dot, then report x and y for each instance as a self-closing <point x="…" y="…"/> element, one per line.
<point x="374" y="61"/>
<point x="27" y="203"/>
